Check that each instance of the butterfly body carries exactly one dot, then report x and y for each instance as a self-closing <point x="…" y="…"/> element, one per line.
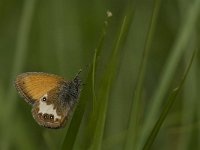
<point x="51" y="96"/>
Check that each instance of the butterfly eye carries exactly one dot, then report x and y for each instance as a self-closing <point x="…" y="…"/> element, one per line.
<point x="44" y="98"/>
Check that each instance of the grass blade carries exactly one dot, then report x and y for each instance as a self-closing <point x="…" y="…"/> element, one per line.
<point x="134" y="114"/>
<point x="106" y="82"/>
<point x="170" y="68"/>
<point x="73" y="129"/>
<point x="167" y="107"/>
<point x="76" y="120"/>
<point x="189" y="109"/>
<point x="18" y="63"/>
<point x="96" y="54"/>
<point x="21" y="47"/>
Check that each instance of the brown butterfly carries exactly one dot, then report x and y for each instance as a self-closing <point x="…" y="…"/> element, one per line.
<point x="51" y="96"/>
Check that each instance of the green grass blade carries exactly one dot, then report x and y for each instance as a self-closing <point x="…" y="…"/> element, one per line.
<point x="189" y="109"/>
<point x="18" y="63"/>
<point x="73" y="129"/>
<point x="2" y="96"/>
<point x="21" y="47"/>
<point x="169" y="69"/>
<point x="135" y="111"/>
<point x="167" y="107"/>
<point x="96" y="54"/>
<point x="189" y="100"/>
<point x="107" y="81"/>
<point x="87" y="134"/>
<point x="76" y="120"/>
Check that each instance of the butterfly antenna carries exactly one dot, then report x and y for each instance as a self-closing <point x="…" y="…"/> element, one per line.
<point x="79" y="72"/>
<point x="77" y="79"/>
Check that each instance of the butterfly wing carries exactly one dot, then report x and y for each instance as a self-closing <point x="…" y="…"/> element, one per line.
<point x="33" y="85"/>
<point x="51" y="96"/>
<point x="52" y="109"/>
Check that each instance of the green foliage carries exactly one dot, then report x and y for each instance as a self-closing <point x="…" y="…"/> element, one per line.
<point x="167" y="107"/>
<point x="131" y="62"/>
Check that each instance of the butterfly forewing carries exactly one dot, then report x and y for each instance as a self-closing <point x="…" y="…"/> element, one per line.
<point x="33" y="85"/>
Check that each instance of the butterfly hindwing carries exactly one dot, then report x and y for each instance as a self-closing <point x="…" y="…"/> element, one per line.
<point x="51" y="111"/>
<point x="33" y="85"/>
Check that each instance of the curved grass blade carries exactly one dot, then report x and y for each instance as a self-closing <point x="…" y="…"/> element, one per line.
<point x="76" y="120"/>
<point x="96" y="54"/>
<point x="178" y="49"/>
<point x="134" y="114"/>
<point x="106" y="85"/>
<point x="167" y="107"/>
<point x="73" y="128"/>
<point x="18" y="63"/>
<point x="91" y="124"/>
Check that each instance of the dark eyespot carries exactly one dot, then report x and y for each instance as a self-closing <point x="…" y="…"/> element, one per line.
<point x="44" y="98"/>
<point x="45" y="116"/>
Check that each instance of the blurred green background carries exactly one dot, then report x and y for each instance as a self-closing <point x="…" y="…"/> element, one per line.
<point x="61" y="36"/>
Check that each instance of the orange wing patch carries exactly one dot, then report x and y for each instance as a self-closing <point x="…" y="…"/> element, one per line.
<point x="33" y="85"/>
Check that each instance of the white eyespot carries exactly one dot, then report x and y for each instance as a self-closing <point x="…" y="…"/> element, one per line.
<point x="44" y="98"/>
<point x="51" y="117"/>
<point x="47" y="109"/>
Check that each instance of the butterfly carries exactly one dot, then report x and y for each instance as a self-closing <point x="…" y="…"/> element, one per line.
<point x="51" y="96"/>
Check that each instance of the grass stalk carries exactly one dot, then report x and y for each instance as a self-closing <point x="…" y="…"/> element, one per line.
<point x="178" y="49"/>
<point x="107" y="81"/>
<point x="133" y="126"/>
<point x="18" y="62"/>
<point x="76" y="120"/>
<point x="171" y="100"/>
